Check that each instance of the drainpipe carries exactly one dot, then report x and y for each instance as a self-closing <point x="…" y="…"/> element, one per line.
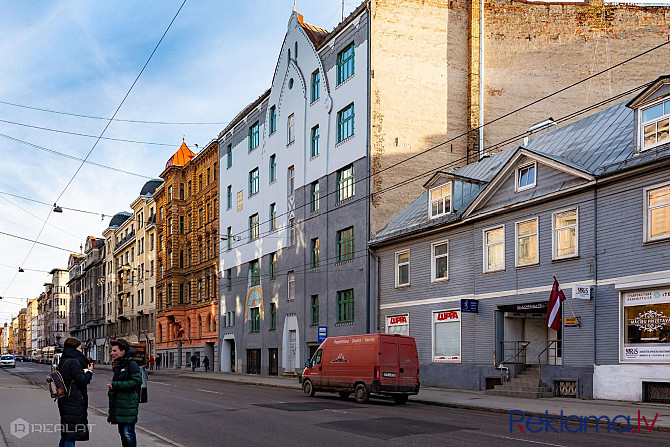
<point x="481" y="79"/>
<point x="368" y="202"/>
<point x="373" y="292"/>
<point x="595" y="272"/>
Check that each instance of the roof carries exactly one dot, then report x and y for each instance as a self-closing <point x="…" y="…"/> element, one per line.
<point x="315" y="34"/>
<point x="600" y="144"/>
<point x="150" y="186"/>
<point x="181" y="157"/>
<point x="119" y="218"/>
<point x="244" y="113"/>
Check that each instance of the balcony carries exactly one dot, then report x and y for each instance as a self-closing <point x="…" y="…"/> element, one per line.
<point x="124" y="242"/>
<point x="152" y="221"/>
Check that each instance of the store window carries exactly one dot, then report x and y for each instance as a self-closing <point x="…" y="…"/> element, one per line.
<point x="397" y="324"/>
<point x="646" y="326"/>
<point x="447" y="336"/>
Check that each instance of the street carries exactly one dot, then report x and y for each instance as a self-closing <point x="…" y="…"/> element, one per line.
<point x="195" y="412"/>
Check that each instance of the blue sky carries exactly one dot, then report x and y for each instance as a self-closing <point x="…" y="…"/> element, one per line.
<point x="81" y="57"/>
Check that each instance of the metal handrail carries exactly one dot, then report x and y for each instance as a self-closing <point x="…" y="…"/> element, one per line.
<point x="550" y="343"/>
<point x="518" y="351"/>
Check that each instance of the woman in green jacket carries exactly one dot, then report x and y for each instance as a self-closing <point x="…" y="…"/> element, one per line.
<point x="124" y="392"/>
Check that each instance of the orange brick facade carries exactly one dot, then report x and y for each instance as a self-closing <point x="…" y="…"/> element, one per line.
<point x="188" y="246"/>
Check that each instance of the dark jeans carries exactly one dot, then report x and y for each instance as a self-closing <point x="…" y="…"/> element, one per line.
<point x="127" y="432"/>
<point x="64" y="443"/>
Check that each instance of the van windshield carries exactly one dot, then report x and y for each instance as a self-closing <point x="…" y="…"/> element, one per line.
<point x="7" y="357"/>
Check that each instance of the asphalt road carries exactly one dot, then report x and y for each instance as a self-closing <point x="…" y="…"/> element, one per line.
<point x="195" y="412"/>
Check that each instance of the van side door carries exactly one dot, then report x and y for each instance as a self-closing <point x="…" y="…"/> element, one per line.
<point x="316" y="369"/>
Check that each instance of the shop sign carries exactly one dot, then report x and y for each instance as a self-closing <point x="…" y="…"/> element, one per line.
<point x="397" y="320"/>
<point x="646" y="297"/>
<point x="398" y="324"/>
<point x="571" y="322"/>
<point x="581" y="292"/>
<point x="531" y="306"/>
<point x="442" y="317"/>
<point x="470" y="306"/>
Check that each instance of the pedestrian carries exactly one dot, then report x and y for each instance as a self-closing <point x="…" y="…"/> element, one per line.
<point x="151" y="363"/>
<point x="158" y="362"/>
<point x="124" y="391"/>
<point x="73" y="408"/>
<point x="194" y="360"/>
<point x="206" y="363"/>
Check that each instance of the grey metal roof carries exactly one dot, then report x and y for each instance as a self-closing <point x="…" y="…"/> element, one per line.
<point x="150" y="187"/>
<point x="600" y="144"/>
<point x="119" y="218"/>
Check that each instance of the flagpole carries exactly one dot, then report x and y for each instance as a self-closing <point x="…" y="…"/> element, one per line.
<point x="567" y="301"/>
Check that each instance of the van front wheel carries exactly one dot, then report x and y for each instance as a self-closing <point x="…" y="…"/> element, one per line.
<point x="400" y="400"/>
<point x="361" y="394"/>
<point x="307" y="388"/>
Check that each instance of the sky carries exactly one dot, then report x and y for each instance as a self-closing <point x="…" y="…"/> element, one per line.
<point x="81" y="57"/>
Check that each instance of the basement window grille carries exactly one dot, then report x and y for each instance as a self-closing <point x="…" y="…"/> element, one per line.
<point x="565" y="388"/>
<point x="657" y="392"/>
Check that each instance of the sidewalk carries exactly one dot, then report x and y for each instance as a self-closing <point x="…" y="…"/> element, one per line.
<point x="474" y="400"/>
<point x="28" y="417"/>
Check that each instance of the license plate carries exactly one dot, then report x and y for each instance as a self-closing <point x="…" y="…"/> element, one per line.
<point x="388" y="375"/>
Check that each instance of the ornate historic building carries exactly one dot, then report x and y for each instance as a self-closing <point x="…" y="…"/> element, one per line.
<point x="187" y="232"/>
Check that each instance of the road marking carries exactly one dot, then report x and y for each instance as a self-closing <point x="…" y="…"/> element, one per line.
<point x="160" y="383"/>
<point x="207" y="391"/>
<point x="521" y="439"/>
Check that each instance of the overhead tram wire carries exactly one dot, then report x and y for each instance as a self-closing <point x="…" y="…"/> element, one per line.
<point x="37" y="242"/>
<point x="175" y="123"/>
<point x="37" y="217"/>
<point x="99" y="137"/>
<point x="431" y="171"/>
<point x="71" y="157"/>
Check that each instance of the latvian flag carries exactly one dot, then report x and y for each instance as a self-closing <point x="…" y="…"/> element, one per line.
<point x="554" y="309"/>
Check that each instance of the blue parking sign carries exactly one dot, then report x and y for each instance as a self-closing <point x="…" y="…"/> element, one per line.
<point x="323" y="333"/>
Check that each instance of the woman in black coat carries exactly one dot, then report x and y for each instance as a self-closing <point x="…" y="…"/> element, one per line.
<point x="73" y="409"/>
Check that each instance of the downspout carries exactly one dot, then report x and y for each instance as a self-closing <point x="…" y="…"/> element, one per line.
<point x="481" y="79"/>
<point x="373" y="291"/>
<point x="595" y="271"/>
<point x="368" y="232"/>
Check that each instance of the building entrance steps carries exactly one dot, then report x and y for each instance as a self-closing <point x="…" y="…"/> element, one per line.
<point x="525" y="384"/>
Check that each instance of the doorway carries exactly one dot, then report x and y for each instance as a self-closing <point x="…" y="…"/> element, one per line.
<point x="524" y="325"/>
<point x="209" y="353"/>
<point x="253" y="361"/>
<point x="228" y="355"/>
<point x="273" y="354"/>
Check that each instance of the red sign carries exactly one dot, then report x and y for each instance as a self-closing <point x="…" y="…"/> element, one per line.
<point x="453" y="315"/>
<point x="398" y="320"/>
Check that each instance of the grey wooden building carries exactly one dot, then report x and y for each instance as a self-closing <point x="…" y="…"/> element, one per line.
<point x="467" y="269"/>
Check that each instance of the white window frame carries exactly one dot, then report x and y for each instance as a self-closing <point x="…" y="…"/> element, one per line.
<point x="518" y="188"/>
<point x="486" y="249"/>
<point x="641" y="124"/>
<point x="450" y="195"/>
<point x="388" y="322"/>
<point x="290" y="286"/>
<point x="290" y="129"/>
<point x="554" y="233"/>
<point x="647" y="213"/>
<point x="516" y="242"/>
<point x="460" y="336"/>
<point x="433" y="271"/>
<point x="397" y="269"/>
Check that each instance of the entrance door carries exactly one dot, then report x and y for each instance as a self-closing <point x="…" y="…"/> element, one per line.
<point x="253" y="361"/>
<point x="273" y="354"/>
<point x="292" y="348"/>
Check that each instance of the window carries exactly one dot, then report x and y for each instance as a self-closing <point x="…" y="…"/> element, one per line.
<point x="565" y="229"/>
<point x="345" y="123"/>
<point x="254" y="319"/>
<point x="253" y="136"/>
<point x="314" y="204"/>
<point x="526" y="243"/>
<point x="229" y="238"/>
<point x="273" y="316"/>
<point x="345" y="306"/>
<point x="291" y="286"/>
<point x="181" y="259"/>
<point x="345" y="244"/>
<point x="447" y="336"/>
<point x="229" y="154"/>
<point x="273" y="119"/>
<point x="314" y="142"/>
<point x="215" y="176"/>
<point x="253" y="227"/>
<point x="402" y="269"/>
<point x="345" y="63"/>
<point x="494" y="249"/>
<point x="657" y="213"/>
<point x="345" y="183"/>
<point x="181" y="224"/>
<point x="273" y="216"/>
<point x="169" y="193"/>
<point x="229" y="197"/>
<point x="440" y="200"/>
<point x="525" y="177"/>
<point x="314" y="90"/>
<point x="229" y="280"/>
<point x="291" y="180"/>
<point x="181" y="191"/>
<point x="291" y="128"/>
<point x="209" y="175"/>
<point x="169" y="225"/>
<point x="315" y="310"/>
<point x="314" y="258"/>
<point x="273" y="265"/>
<point x="273" y="168"/>
<point x="296" y="50"/>
<point x="254" y="273"/>
<point x="291" y="232"/>
<point x="199" y="182"/>
<point x="397" y="324"/>
<point x="440" y="265"/>
<point x="655" y="124"/>
<point x="254" y="180"/>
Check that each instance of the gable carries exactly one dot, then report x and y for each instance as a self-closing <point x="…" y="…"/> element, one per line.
<point x="550" y="177"/>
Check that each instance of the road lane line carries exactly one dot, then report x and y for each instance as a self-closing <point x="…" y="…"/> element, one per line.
<point x="160" y="383"/>
<point x="521" y="439"/>
<point x="207" y="391"/>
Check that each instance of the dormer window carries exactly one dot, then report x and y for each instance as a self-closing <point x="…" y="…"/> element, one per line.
<point x="655" y="124"/>
<point x="440" y="200"/>
<point x="525" y="177"/>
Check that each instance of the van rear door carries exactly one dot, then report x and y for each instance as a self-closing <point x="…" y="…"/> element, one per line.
<point x="389" y="364"/>
<point x="409" y="364"/>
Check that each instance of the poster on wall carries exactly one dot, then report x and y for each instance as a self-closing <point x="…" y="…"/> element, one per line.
<point x="646" y="326"/>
